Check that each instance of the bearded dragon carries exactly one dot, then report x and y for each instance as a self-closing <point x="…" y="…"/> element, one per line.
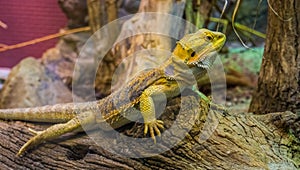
<point x="193" y="54"/>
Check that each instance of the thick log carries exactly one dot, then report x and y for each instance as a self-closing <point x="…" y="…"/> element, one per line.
<point x="212" y="141"/>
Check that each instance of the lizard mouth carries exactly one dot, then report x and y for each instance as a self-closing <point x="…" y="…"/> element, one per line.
<point x="206" y="57"/>
<point x="205" y="63"/>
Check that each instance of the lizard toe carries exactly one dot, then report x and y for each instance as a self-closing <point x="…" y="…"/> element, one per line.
<point x="34" y="131"/>
<point x="154" y="128"/>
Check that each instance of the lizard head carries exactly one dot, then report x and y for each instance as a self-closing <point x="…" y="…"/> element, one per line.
<point x="200" y="48"/>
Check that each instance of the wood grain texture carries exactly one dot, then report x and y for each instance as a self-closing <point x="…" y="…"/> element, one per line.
<point x="238" y="142"/>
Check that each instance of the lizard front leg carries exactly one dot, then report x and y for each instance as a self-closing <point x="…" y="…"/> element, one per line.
<point x="208" y="100"/>
<point x="57" y="130"/>
<point x="200" y="94"/>
<point x="147" y="107"/>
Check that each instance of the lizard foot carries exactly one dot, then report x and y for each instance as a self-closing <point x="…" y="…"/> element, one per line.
<point x="153" y="126"/>
<point x="219" y="108"/>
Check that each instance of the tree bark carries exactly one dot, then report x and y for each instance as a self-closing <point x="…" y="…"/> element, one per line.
<point x="140" y="44"/>
<point x="228" y="142"/>
<point x="101" y="13"/>
<point x="279" y="78"/>
<point x="198" y="11"/>
<point x="107" y="67"/>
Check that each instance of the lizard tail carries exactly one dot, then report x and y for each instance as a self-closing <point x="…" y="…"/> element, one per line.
<point x="51" y="113"/>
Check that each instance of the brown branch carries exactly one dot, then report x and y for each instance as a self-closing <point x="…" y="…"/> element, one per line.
<point x="3" y="45"/>
<point x="45" y="38"/>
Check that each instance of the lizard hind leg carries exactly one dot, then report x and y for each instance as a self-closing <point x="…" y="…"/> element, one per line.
<point x="56" y="131"/>
<point x="49" y="133"/>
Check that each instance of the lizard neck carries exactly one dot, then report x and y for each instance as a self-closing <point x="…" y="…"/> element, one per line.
<point x="175" y="69"/>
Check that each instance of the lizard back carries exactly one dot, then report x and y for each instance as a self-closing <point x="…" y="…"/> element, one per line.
<point x="110" y="108"/>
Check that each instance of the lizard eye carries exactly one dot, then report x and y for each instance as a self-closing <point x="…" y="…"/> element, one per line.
<point x="193" y="54"/>
<point x="209" y="37"/>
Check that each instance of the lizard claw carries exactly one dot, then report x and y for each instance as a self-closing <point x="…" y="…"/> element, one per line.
<point x="34" y="131"/>
<point x="153" y="126"/>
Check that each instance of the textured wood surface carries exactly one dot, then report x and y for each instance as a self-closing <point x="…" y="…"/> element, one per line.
<point x="279" y="78"/>
<point x="237" y="142"/>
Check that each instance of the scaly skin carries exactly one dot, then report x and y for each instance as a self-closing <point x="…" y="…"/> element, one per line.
<point x="193" y="54"/>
